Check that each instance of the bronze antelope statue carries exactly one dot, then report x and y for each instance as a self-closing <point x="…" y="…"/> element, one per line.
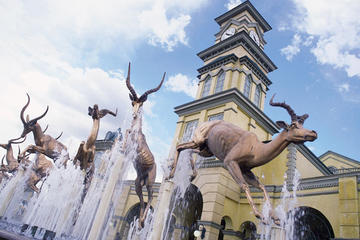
<point x="44" y="143"/>
<point x="86" y="152"/>
<point x="241" y="150"/>
<point x="144" y="162"/>
<point x="40" y="170"/>
<point x="12" y="162"/>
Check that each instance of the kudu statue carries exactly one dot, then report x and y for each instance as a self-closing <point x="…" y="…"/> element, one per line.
<point x="40" y="170"/>
<point x="44" y="143"/>
<point x="144" y="162"/>
<point x="241" y="150"/>
<point x="86" y="152"/>
<point x="12" y="162"/>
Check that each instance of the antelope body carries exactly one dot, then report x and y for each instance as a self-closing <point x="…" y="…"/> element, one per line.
<point x="241" y="150"/>
<point x="86" y="152"/>
<point x="40" y="170"/>
<point x="144" y="162"/>
<point x="44" y="143"/>
<point x="12" y="162"/>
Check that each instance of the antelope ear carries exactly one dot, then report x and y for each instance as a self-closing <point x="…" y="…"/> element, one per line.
<point x="282" y="124"/>
<point x="90" y="111"/>
<point x="27" y="118"/>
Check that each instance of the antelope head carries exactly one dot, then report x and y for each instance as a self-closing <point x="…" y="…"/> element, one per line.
<point x="12" y="141"/>
<point x="29" y="125"/>
<point x="295" y="131"/>
<point x="136" y="101"/>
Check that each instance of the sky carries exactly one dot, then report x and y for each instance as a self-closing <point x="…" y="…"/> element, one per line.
<point x="69" y="55"/>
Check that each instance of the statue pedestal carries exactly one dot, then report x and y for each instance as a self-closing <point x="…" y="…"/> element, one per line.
<point x="277" y="233"/>
<point x="162" y="209"/>
<point x="100" y="217"/>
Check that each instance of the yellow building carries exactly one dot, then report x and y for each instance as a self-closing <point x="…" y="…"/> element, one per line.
<point x="233" y="84"/>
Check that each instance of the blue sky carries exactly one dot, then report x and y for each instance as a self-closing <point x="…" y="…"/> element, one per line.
<point x="72" y="55"/>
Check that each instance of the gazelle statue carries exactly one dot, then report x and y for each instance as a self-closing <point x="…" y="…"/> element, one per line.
<point x="12" y="162"/>
<point x="241" y="150"/>
<point x="40" y="170"/>
<point x="86" y="152"/>
<point x="144" y="162"/>
<point x="44" y="143"/>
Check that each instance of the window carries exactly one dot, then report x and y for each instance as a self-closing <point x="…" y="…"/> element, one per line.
<point x="220" y="82"/>
<point x="257" y="95"/>
<point x="189" y="130"/>
<point x="247" y="86"/>
<point x="206" y="89"/>
<point x="219" y="116"/>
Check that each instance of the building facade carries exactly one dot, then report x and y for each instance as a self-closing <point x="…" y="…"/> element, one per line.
<point x="233" y="84"/>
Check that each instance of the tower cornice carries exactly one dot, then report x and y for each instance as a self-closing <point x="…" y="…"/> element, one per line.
<point x="243" y="39"/>
<point x="230" y="95"/>
<point x="243" y="7"/>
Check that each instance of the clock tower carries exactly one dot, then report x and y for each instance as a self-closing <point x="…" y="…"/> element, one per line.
<point x="232" y="86"/>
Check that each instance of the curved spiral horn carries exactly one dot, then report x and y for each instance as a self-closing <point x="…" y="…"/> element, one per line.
<point x="23" y="110"/>
<point x="144" y="96"/>
<point x="131" y="89"/>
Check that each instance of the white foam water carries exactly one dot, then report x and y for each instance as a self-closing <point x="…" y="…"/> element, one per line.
<point x="285" y="211"/>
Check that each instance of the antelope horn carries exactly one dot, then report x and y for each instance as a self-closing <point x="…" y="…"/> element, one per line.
<point x="144" y="96"/>
<point x="291" y="112"/>
<point x="13" y="140"/>
<point x="2" y="160"/>
<point x="23" y="109"/>
<point x="41" y="116"/>
<point x="59" y="136"/>
<point x="47" y="125"/>
<point x="132" y="91"/>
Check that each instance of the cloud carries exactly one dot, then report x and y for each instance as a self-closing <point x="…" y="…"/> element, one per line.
<point x="292" y="50"/>
<point x="182" y="83"/>
<point x="335" y="29"/>
<point x="232" y="3"/>
<point x="52" y="51"/>
<point x="344" y="88"/>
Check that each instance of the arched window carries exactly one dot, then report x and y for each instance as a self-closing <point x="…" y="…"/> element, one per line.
<point x="220" y="82"/>
<point x="247" y="86"/>
<point x="257" y="95"/>
<point x="207" y="84"/>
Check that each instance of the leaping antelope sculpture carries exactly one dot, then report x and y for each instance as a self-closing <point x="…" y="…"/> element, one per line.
<point x="12" y="162"/>
<point x="44" y="143"/>
<point x="144" y="162"/>
<point x="86" y="152"/>
<point x="241" y="150"/>
<point x="40" y="170"/>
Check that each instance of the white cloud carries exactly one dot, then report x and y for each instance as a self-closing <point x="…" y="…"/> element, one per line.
<point x="232" y="3"/>
<point x="335" y="27"/>
<point x="343" y="88"/>
<point x="182" y="83"/>
<point x="47" y="48"/>
<point x="292" y="50"/>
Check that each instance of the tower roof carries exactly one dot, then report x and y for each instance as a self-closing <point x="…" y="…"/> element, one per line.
<point x="243" y="7"/>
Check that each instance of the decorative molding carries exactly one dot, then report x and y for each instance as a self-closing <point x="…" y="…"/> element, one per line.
<point x="291" y="163"/>
<point x="245" y="6"/>
<point x="218" y="62"/>
<point x="239" y="39"/>
<point x="339" y="155"/>
<point x="255" y="69"/>
<point x="230" y="95"/>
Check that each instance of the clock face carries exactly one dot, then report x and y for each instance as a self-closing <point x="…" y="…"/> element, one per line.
<point x="254" y="37"/>
<point x="228" y="33"/>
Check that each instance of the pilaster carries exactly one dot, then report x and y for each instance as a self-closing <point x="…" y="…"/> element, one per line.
<point x="349" y="208"/>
